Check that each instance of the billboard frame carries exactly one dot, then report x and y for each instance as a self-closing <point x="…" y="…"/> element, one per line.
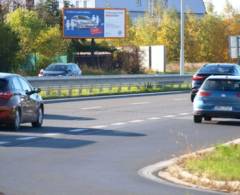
<point x="82" y="37"/>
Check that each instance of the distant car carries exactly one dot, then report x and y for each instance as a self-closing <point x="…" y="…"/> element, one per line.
<point x="212" y="69"/>
<point x="81" y="21"/>
<point x="219" y="96"/>
<point x="61" y="69"/>
<point x="19" y="102"/>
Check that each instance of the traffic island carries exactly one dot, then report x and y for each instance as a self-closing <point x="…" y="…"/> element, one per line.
<point x="212" y="169"/>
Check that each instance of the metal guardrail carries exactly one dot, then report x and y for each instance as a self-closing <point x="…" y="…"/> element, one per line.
<point x="92" y="83"/>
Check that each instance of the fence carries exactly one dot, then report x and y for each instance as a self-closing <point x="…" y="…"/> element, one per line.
<point x="97" y="85"/>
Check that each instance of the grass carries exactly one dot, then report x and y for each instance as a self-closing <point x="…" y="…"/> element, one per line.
<point x="94" y="91"/>
<point x="222" y="164"/>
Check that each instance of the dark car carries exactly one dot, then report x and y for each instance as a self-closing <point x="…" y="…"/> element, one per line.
<point x="219" y="96"/>
<point x="212" y="69"/>
<point x="61" y="69"/>
<point x="19" y="102"/>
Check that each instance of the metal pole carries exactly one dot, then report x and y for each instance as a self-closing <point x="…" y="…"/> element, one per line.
<point x="182" y="40"/>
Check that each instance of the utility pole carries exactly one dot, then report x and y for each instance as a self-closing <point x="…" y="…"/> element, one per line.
<point x="182" y="39"/>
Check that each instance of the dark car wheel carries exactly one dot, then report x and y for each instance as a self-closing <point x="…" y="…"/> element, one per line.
<point x="207" y="118"/>
<point x="17" y="120"/>
<point x="197" y="119"/>
<point x="39" y="121"/>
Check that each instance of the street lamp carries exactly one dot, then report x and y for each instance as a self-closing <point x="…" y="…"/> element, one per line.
<point x="182" y="40"/>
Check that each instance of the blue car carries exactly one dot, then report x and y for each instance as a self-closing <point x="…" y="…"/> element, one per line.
<point x="219" y="96"/>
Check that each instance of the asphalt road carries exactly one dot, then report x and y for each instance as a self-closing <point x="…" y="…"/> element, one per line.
<point x="96" y="147"/>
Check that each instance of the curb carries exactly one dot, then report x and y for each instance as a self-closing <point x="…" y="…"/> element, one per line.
<point x="155" y="172"/>
<point x="71" y="99"/>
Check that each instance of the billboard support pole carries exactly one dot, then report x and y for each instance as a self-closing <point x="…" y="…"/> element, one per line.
<point x="92" y="51"/>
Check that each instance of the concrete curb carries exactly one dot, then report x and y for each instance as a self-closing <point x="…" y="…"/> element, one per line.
<point x="155" y="172"/>
<point x="71" y="99"/>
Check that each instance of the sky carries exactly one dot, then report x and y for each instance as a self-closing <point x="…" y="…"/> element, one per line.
<point x="219" y="4"/>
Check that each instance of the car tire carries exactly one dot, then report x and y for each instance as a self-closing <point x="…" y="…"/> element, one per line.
<point x="207" y="118"/>
<point x="39" y="121"/>
<point x="197" y="119"/>
<point x="17" y="120"/>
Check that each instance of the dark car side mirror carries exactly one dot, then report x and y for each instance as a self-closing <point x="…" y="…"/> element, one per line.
<point x="35" y="90"/>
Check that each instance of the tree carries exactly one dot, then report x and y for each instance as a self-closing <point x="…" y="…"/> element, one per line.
<point x="27" y="25"/>
<point x="49" y="12"/>
<point x="169" y="34"/>
<point x="212" y="39"/>
<point x="8" y="48"/>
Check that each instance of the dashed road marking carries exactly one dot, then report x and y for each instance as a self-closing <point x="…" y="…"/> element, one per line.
<point x="91" y="108"/>
<point x="154" y="118"/>
<point x="184" y="114"/>
<point x="26" y="138"/>
<point x="77" y="130"/>
<point x="169" y="116"/>
<point x="118" y="124"/>
<point x="136" y="121"/>
<point x="140" y="103"/>
<point x="51" y="134"/>
<point x="98" y="127"/>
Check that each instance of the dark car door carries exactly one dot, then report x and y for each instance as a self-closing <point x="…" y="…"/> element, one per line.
<point x="22" y="98"/>
<point x="29" y="105"/>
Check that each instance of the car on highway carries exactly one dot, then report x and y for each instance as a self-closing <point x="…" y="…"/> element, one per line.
<point x="219" y="96"/>
<point x="19" y="102"/>
<point x="212" y="69"/>
<point x="61" y="69"/>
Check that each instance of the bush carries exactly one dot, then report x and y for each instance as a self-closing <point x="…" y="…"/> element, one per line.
<point x="128" y="59"/>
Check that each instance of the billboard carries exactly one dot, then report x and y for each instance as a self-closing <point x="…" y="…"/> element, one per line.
<point x="94" y="23"/>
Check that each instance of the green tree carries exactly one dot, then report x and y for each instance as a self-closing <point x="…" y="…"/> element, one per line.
<point x="8" y="48"/>
<point x="28" y="26"/>
<point x="212" y="39"/>
<point x="169" y="34"/>
<point x="49" y="11"/>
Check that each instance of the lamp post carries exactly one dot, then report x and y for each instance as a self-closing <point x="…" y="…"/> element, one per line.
<point x="182" y="39"/>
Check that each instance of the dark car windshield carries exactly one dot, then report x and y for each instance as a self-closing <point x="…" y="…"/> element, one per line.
<point x="222" y="85"/>
<point x="217" y="69"/>
<point x="3" y="85"/>
<point x="57" y="67"/>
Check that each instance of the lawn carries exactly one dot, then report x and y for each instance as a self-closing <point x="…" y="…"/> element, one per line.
<point x="222" y="164"/>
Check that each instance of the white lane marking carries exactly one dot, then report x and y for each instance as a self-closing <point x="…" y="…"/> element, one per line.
<point x="118" y="124"/>
<point x="154" y="118"/>
<point x="140" y="103"/>
<point x="26" y="138"/>
<point x="77" y="130"/>
<point x="169" y="116"/>
<point x="91" y="108"/>
<point x="184" y="114"/>
<point x="3" y="143"/>
<point x="179" y="99"/>
<point x="136" y="121"/>
<point x="51" y="134"/>
<point x="98" y="127"/>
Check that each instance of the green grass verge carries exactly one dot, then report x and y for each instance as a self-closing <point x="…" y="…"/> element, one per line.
<point x="95" y="91"/>
<point x="221" y="164"/>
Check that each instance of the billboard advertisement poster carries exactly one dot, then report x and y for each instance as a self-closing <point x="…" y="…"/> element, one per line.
<point x="93" y="23"/>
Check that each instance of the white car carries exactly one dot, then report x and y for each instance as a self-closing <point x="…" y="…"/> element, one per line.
<point x="83" y="22"/>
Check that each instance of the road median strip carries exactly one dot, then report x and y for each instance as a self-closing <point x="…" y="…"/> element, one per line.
<point x="174" y="171"/>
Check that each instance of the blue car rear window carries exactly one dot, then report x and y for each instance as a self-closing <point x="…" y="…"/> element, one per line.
<point x="222" y="85"/>
<point x="216" y="69"/>
<point x="57" y="67"/>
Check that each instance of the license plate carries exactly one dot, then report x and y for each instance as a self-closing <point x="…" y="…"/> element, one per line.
<point x="223" y="108"/>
